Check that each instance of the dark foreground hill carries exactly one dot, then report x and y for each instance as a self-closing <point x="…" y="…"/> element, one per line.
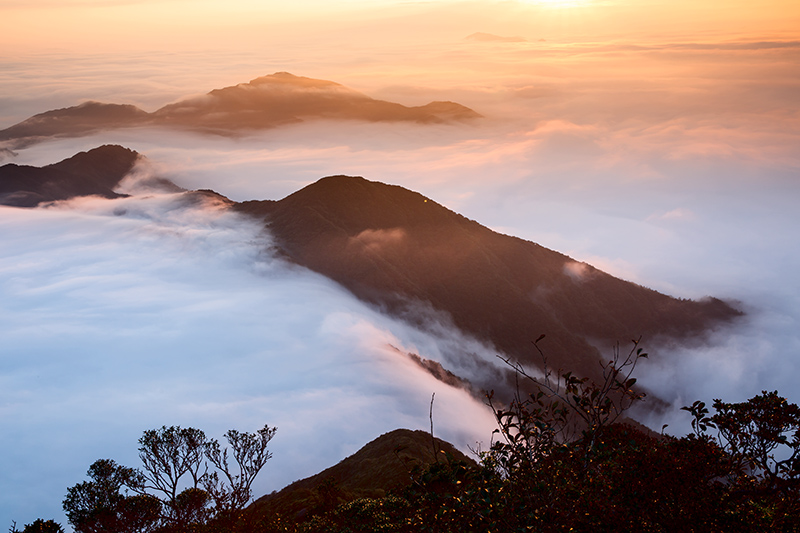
<point x="389" y="463"/>
<point x="264" y="102"/>
<point x="419" y="261"/>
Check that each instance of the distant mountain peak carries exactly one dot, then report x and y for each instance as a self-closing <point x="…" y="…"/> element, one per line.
<point x="287" y="78"/>
<point x="265" y="102"/>
<point x="94" y="172"/>
<point x="282" y="83"/>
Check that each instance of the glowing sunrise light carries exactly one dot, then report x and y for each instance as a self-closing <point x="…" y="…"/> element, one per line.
<point x="557" y="3"/>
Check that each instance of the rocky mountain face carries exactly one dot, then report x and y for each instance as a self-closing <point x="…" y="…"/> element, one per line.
<point x="264" y="102"/>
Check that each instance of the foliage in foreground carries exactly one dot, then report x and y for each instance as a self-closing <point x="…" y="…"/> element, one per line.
<point x="174" y="491"/>
<point x="563" y="460"/>
<point x="38" y="526"/>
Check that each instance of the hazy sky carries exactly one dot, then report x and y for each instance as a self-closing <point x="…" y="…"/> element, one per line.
<point x="655" y="140"/>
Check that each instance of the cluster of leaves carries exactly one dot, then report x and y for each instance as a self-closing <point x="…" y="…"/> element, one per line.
<point x="562" y="411"/>
<point x="175" y="491"/>
<point x="38" y="526"/>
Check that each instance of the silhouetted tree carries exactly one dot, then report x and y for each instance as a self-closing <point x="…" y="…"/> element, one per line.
<point x="562" y="409"/>
<point x="102" y="505"/>
<point x="175" y="490"/>
<point x="173" y="457"/>
<point x="249" y="451"/>
<point x="38" y="526"/>
<point x="761" y="440"/>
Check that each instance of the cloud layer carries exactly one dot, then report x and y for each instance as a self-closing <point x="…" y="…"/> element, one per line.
<point x="119" y="316"/>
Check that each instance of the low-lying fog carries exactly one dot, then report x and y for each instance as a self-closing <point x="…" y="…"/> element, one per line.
<point x="120" y="316"/>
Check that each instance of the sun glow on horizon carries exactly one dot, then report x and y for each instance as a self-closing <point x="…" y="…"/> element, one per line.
<point x="75" y="26"/>
<point x="558" y="3"/>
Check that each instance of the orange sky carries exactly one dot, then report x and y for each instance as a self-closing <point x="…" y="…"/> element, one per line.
<point x="91" y="25"/>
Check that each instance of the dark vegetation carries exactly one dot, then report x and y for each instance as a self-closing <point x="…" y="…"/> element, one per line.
<point x="38" y="526"/>
<point x="560" y="460"/>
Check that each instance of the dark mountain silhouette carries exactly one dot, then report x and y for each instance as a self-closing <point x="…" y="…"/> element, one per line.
<point x="397" y="249"/>
<point x="265" y="102"/>
<point x="387" y="463"/>
<point x="96" y="172"/>
<point x="417" y="260"/>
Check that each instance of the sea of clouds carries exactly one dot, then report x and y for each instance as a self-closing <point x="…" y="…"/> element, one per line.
<point x="124" y="315"/>
<point x="670" y="164"/>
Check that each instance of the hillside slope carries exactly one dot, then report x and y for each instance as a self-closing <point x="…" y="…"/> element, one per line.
<point x="387" y="463"/>
<point x="419" y="261"/>
<point x="395" y="248"/>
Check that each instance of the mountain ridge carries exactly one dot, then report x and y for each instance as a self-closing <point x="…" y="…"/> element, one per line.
<point x="93" y="173"/>
<point x="262" y="103"/>
<point x="423" y="263"/>
<point x="393" y="247"/>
